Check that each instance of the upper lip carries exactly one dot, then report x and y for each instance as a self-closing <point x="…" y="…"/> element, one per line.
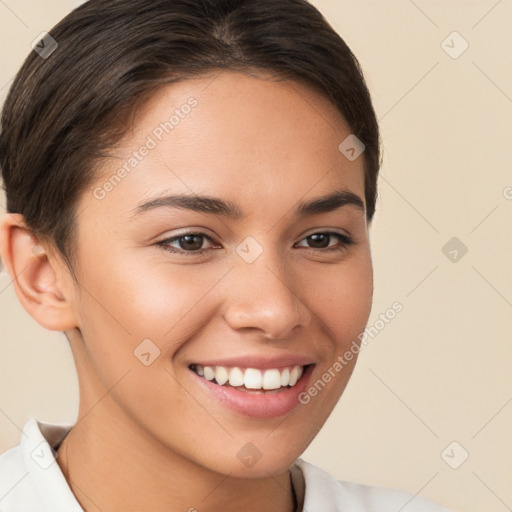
<point x="259" y="361"/>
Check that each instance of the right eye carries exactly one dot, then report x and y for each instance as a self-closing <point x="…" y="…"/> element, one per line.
<point x="190" y="243"/>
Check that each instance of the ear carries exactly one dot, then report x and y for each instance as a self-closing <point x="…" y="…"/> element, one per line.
<point x="41" y="280"/>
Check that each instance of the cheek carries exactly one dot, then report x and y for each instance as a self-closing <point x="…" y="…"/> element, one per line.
<point x="125" y="315"/>
<point x="342" y="305"/>
<point x="171" y="303"/>
<point x="147" y="297"/>
<point x="343" y="299"/>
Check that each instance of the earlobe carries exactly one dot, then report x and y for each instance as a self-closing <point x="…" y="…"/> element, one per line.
<point x="37" y="276"/>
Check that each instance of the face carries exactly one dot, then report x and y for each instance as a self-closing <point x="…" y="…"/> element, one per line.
<point x="188" y="309"/>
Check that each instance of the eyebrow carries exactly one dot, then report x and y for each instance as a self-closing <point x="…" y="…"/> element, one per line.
<point x="230" y="210"/>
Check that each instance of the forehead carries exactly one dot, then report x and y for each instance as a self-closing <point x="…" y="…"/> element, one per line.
<point x="234" y="135"/>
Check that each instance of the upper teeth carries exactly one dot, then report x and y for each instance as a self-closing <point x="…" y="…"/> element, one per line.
<point x="251" y="378"/>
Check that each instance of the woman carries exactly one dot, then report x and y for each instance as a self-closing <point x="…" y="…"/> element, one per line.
<point x="190" y="185"/>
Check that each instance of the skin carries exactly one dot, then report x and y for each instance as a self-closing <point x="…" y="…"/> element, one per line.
<point x="148" y="437"/>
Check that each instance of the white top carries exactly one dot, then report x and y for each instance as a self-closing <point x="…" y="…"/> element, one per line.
<point x="31" y="481"/>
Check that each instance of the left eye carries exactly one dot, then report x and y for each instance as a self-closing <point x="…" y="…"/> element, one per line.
<point x="192" y="243"/>
<point x="321" y="238"/>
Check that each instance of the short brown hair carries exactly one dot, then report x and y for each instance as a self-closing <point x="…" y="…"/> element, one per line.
<point x="65" y="111"/>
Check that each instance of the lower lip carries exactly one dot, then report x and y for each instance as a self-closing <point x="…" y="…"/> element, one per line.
<point x="264" y="405"/>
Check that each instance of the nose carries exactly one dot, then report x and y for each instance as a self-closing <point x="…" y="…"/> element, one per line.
<point x="262" y="297"/>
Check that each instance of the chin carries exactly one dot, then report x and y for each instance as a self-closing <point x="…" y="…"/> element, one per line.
<point x="246" y="460"/>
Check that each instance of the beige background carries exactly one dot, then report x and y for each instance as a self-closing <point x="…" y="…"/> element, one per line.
<point x="440" y="371"/>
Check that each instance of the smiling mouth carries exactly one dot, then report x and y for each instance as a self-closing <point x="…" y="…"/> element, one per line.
<point x="252" y="380"/>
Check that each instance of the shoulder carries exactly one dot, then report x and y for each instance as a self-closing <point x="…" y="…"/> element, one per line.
<point x="30" y="478"/>
<point x="16" y="490"/>
<point x="322" y="489"/>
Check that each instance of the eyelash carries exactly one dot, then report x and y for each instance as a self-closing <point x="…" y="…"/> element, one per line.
<point x="345" y="242"/>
